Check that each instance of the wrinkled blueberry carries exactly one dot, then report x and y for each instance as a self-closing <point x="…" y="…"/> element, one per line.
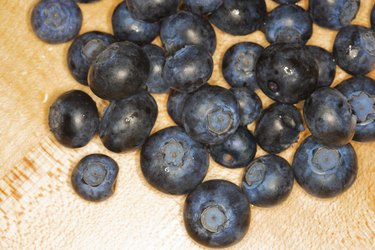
<point x="250" y="105"/>
<point x="326" y="65"/>
<point x="329" y="117"/>
<point x="287" y="73"/>
<point x="267" y="181"/>
<point x="56" y="21"/>
<point x="278" y="127"/>
<point x="73" y="119"/>
<point x="172" y="162"/>
<point x="121" y="70"/>
<point x="203" y="7"/>
<point x="155" y="82"/>
<point x="360" y="92"/>
<point x="217" y="214"/>
<point x="94" y="177"/>
<point x="152" y="10"/>
<point x="211" y="115"/>
<point x="239" y="64"/>
<point x="185" y="28"/>
<point x="324" y="172"/>
<point x="127" y="123"/>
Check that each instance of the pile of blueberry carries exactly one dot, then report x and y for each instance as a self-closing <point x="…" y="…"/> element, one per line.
<point x="125" y="68"/>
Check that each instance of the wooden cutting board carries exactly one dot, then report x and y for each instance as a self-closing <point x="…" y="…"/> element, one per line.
<point x="39" y="210"/>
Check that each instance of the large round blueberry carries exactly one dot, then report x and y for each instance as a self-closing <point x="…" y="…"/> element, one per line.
<point x="152" y="10"/>
<point x="202" y="7"/>
<point x="127" y="28"/>
<point x="217" y="214"/>
<point x="326" y="65"/>
<point x="239" y="64"/>
<point x="127" y="123"/>
<point x="324" y="172"/>
<point x="188" y="69"/>
<point x="155" y="82"/>
<point x="56" y="21"/>
<point x="287" y="73"/>
<point x="238" y="17"/>
<point x="73" y="119"/>
<point x="329" y="117"/>
<point x="278" y="127"/>
<point x="333" y="14"/>
<point x="94" y="177"/>
<point x="354" y="49"/>
<point x="237" y="151"/>
<point x="119" y="71"/>
<point x="267" y="181"/>
<point x="211" y="115"/>
<point x="84" y="50"/>
<point x="249" y="103"/>
<point x="288" y="24"/>
<point x="185" y="28"/>
<point x="360" y="92"/>
<point x="172" y="162"/>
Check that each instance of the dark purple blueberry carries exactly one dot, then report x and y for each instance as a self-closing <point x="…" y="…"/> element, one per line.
<point x="175" y="105"/>
<point x="152" y="10"/>
<point x="326" y="65"/>
<point x="249" y="103"/>
<point x="155" y="82"/>
<point x="203" y="7"/>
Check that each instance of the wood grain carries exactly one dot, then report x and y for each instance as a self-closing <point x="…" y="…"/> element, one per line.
<point x="39" y="210"/>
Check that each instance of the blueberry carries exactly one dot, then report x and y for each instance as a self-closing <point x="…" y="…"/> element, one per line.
<point x="333" y="14"/>
<point x="127" y="123"/>
<point x="172" y="162"/>
<point x="267" y="181"/>
<point x="237" y="151"/>
<point x="84" y="50"/>
<point x="238" y="17"/>
<point x="354" y="49"/>
<point x="278" y="127"/>
<point x="152" y="10"/>
<point x="185" y="28"/>
<point x="372" y="17"/>
<point x="287" y="73"/>
<point x="250" y="105"/>
<point x="56" y="21"/>
<point x="211" y="115"/>
<point x="239" y="64"/>
<point x="286" y="1"/>
<point x="175" y="105"/>
<point x="94" y="177"/>
<point x="288" y="24"/>
<point x="329" y="117"/>
<point x="203" y="7"/>
<point x="217" y="214"/>
<point x="121" y="70"/>
<point x="188" y="69"/>
<point x="155" y="82"/>
<point x="324" y="172"/>
<point x="73" y="119"/>
<point x="326" y="65"/>
<point x="127" y="28"/>
<point x="360" y="92"/>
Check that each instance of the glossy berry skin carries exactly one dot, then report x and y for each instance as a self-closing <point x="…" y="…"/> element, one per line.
<point x="155" y="82"/>
<point x="250" y="105"/>
<point x="326" y="65"/>
<point x="127" y="28"/>
<point x="237" y="151"/>
<point x="329" y="117"/>
<point x="287" y="73"/>
<point x="278" y="127"/>
<point x="73" y="119"/>
<point x="127" y="123"/>
<point x="354" y="49"/>
<point x="188" y="69"/>
<point x="239" y="64"/>
<point x="203" y="7"/>
<point x="84" y="50"/>
<point x="211" y="115"/>
<point x="121" y="70"/>
<point x="333" y="14"/>
<point x="56" y="21"/>
<point x="217" y="214"/>
<point x="267" y="181"/>
<point x="94" y="177"/>
<point x="288" y="24"/>
<point x="285" y="1"/>
<point x="152" y="10"/>
<point x="238" y="17"/>
<point x="324" y="172"/>
<point x="185" y="28"/>
<point x="172" y="162"/>
<point x="360" y="92"/>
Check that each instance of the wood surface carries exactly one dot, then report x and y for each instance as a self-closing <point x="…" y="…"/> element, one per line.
<point x="39" y="209"/>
